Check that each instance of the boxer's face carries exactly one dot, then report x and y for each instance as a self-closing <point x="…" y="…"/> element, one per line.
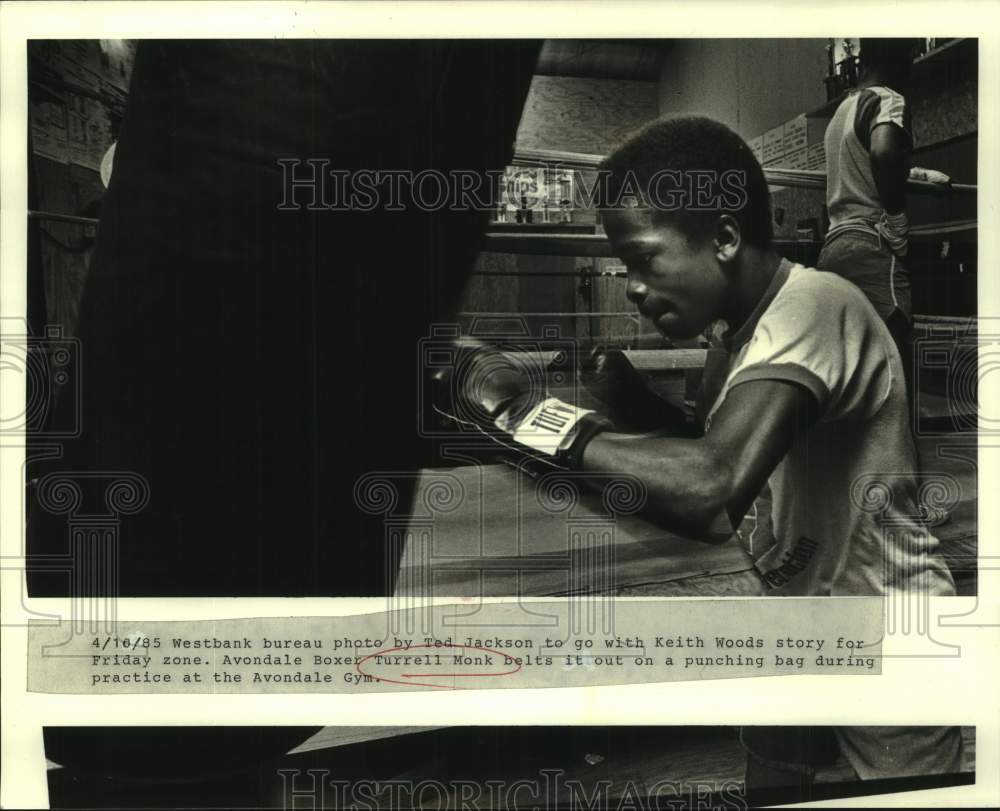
<point x="676" y="282"/>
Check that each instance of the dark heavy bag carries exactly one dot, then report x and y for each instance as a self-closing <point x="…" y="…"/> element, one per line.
<point x="251" y="363"/>
<point x="170" y="754"/>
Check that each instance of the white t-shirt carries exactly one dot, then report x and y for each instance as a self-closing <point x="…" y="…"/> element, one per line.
<point x="851" y="195"/>
<point x="845" y="496"/>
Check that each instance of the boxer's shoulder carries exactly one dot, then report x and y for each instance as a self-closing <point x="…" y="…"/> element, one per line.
<point x="812" y="289"/>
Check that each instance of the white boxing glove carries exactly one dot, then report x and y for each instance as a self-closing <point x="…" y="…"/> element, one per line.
<point x="895" y="229"/>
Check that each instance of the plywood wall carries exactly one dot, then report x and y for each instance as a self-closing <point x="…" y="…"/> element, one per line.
<point x="584" y="115"/>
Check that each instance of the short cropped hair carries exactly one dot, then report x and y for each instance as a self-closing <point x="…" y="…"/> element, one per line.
<point x="892" y="54"/>
<point x="689" y="170"/>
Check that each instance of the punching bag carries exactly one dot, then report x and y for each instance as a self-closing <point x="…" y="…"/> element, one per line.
<point x="244" y="361"/>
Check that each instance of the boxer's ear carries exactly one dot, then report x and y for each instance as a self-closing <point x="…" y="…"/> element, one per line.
<point x="727" y="239"/>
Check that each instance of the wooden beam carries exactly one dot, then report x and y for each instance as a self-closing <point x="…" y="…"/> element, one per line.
<point x="775" y="176"/>
<point x="665" y="360"/>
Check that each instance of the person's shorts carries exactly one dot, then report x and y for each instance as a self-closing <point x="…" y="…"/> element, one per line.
<point x="863" y="257"/>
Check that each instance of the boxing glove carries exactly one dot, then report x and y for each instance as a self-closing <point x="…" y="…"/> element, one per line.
<point x="508" y="400"/>
<point x="631" y="403"/>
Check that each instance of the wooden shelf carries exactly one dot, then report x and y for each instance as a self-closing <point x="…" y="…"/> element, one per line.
<point x="956" y="51"/>
<point x="535" y="228"/>
<point x="558" y="158"/>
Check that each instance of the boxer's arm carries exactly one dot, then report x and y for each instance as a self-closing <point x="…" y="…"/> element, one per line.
<point x="890" y="156"/>
<point x="690" y="482"/>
